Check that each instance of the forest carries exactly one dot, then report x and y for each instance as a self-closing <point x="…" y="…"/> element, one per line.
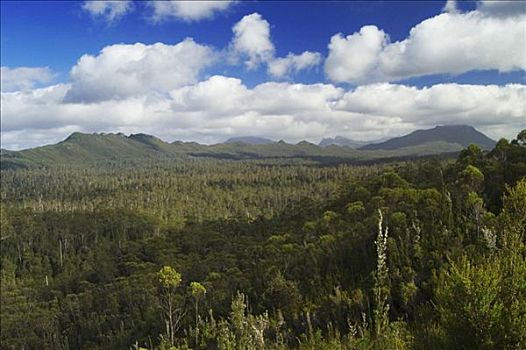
<point x="207" y="253"/>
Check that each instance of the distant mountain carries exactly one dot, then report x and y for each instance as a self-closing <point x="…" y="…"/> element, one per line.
<point x="81" y="149"/>
<point x="459" y="135"/>
<point x="250" y="140"/>
<point x="341" y="141"/>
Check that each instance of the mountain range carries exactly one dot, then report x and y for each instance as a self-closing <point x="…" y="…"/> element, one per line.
<point x="80" y="148"/>
<point x="341" y="141"/>
<point x="344" y="141"/>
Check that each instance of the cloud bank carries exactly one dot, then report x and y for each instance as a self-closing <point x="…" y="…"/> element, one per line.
<point x="214" y="109"/>
<point x="22" y="78"/>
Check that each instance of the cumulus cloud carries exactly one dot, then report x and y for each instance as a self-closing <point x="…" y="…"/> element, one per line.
<point x="121" y="71"/>
<point x="449" y="43"/>
<point x="219" y="107"/>
<point x="109" y="11"/>
<point x="20" y="78"/>
<point x="187" y="10"/>
<point x="283" y="67"/>
<point x="355" y="58"/>
<point x="252" y="40"/>
<point x="220" y="95"/>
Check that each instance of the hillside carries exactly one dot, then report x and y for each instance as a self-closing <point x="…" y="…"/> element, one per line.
<point x="251" y="140"/>
<point x="89" y="148"/>
<point x="341" y="141"/>
<point x="459" y="135"/>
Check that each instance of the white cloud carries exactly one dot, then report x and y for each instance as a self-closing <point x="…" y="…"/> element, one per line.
<point x="121" y="71"/>
<point x="45" y="108"/>
<point x="355" y="57"/>
<point x="187" y="10"/>
<point x="220" y="95"/>
<point x="224" y="96"/>
<point x="450" y="43"/>
<point x="252" y="40"/>
<point x="478" y="105"/>
<point x="109" y="11"/>
<point x="24" y="77"/>
<point x="219" y="107"/>
<point x="502" y="8"/>
<point x="296" y="99"/>
<point x="252" y="43"/>
<point x="283" y="67"/>
<point x="451" y="6"/>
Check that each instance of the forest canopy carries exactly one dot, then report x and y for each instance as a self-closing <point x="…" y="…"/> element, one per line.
<point x="268" y="254"/>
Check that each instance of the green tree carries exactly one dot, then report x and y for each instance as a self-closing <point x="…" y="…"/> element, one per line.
<point x="472" y="178"/>
<point x="381" y="281"/>
<point x="521" y="138"/>
<point x="482" y="302"/>
<point x="198" y="292"/>
<point x="169" y="280"/>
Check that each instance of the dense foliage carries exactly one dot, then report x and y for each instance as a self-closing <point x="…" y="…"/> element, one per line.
<point x="267" y="254"/>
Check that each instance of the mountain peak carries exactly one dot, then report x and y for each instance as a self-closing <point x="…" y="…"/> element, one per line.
<point x="461" y="135"/>
<point x="305" y="143"/>
<point x="75" y="136"/>
<point x="144" y="137"/>
<point x="454" y="127"/>
<point x="81" y="136"/>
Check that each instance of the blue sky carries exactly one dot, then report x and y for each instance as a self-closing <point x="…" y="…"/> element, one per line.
<point x="61" y="32"/>
<point x="415" y="56"/>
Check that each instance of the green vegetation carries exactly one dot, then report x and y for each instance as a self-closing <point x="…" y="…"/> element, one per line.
<point x="201" y="253"/>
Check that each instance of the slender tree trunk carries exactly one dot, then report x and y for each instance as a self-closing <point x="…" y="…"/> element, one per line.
<point x="170" y="320"/>
<point x="196" y="322"/>
<point x="60" y="251"/>
<point x="19" y="253"/>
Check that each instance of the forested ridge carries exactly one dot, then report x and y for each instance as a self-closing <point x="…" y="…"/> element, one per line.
<point x="267" y="254"/>
<point x="81" y="150"/>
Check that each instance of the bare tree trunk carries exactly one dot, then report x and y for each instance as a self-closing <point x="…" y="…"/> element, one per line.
<point x="60" y="251"/>
<point x="170" y="320"/>
<point x="196" y="322"/>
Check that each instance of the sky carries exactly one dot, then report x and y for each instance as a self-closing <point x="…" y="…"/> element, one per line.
<point x="206" y="71"/>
